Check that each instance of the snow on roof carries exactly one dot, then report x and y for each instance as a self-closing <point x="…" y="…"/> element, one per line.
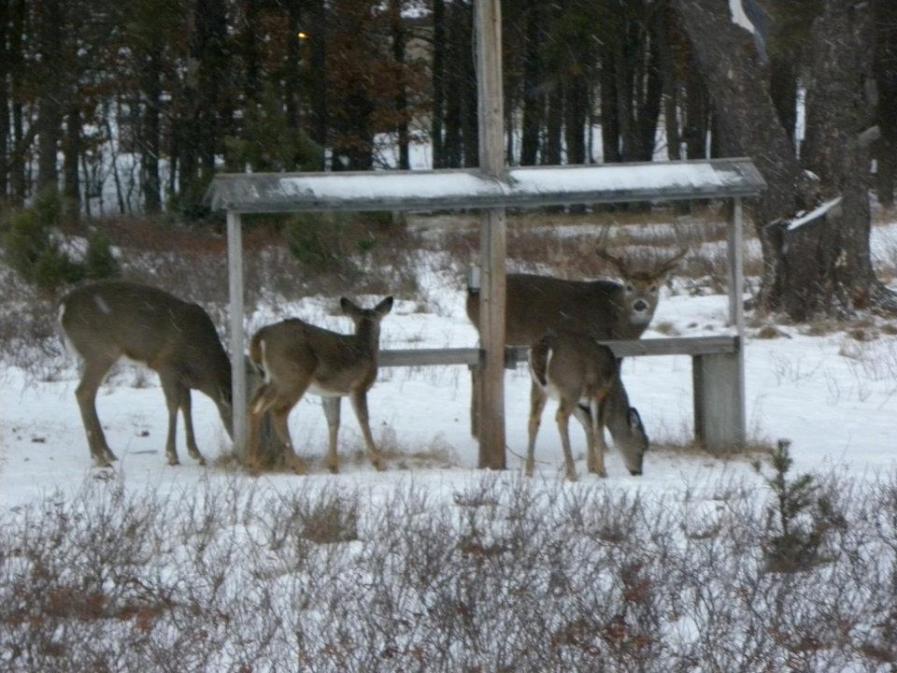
<point x="814" y="214"/>
<point x="469" y="188"/>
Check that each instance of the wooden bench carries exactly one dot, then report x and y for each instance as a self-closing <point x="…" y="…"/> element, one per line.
<point x="716" y="376"/>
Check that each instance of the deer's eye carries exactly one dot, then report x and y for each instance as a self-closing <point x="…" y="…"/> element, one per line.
<point x="629" y="288"/>
<point x="653" y="288"/>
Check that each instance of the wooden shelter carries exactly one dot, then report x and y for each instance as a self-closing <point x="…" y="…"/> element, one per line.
<point x="718" y="361"/>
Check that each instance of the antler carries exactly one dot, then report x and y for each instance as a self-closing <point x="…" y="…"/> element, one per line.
<point x="671" y="263"/>
<point x="618" y="262"/>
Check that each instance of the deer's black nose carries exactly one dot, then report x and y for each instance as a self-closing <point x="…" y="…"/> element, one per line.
<point x="640" y="305"/>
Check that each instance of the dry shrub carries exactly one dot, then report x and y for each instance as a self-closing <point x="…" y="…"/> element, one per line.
<point x="504" y="574"/>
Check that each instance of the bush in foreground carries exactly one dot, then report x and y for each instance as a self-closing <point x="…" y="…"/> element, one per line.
<point x="504" y="575"/>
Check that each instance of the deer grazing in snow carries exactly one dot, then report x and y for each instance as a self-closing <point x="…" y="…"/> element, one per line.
<point x="585" y="377"/>
<point x="108" y="320"/>
<point x="602" y="309"/>
<point x="297" y="357"/>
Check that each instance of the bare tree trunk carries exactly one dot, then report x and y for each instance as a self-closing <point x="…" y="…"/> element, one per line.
<point x="555" y="126"/>
<point x="842" y="279"/>
<point x="697" y="114"/>
<point x="317" y="16"/>
<point x="823" y="266"/>
<point x="886" y="80"/>
<point x="649" y="107"/>
<point x="610" y="120"/>
<point x="17" y="182"/>
<point x="72" y="154"/>
<point x="150" y="145"/>
<point x="726" y="56"/>
<point x="533" y="96"/>
<point x="454" y="88"/>
<point x="292" y="80"/>
<point x="438" y="115"/>
<point x="663" y="22"/>
<point x="50" y="22"/>
<point x="399" y="39"/>
<point x="5" y="59"/>
<point x="470" y="110"/>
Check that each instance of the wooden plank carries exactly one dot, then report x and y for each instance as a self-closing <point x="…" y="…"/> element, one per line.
<point x="237" y="347"/>
<point x="428" y="357"/>
<point x="454" y="189"/>
<point x="735" y="248"/>
<point x="493" y="236"/>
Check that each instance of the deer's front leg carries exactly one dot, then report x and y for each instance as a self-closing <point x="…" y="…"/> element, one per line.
<point x="187" y="412"/>
<point x="582" y="414"/>
<point x="360" y="405"/>
<point x="332" y="412"/>
<point x="86" y="393"/>
<point x="172" y="390"/>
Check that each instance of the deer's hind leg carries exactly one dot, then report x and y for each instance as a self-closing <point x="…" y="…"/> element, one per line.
<point x="285" y="400"/>
<point x="94" y="371"/>
<point x="537" y="400"/>
<point x="279" y="401"/>
<point x="565" y="409"/>
<point x="174" y="398"/>
<point x="360" y="405"/>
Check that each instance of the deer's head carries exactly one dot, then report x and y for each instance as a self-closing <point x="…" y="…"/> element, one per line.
<point x="634" y="443"/>
<point x="366" y="319"/>
<point x="641" y="286"/>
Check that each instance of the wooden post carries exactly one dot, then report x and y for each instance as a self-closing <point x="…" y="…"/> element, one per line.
<point x="736" y="268"/>
<point x="492" y="236"/>
<point x="237" y="357"/>
<point x="718" y="379"/>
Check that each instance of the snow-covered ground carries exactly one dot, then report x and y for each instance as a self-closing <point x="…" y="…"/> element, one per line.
<point x="834" y="396"/>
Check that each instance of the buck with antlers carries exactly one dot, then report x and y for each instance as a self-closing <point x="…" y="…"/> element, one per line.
<point x="585" y="378"/>
<point x="297" y="357"/>
<point x="106" y="321"/>
<point x="602" y="309"/>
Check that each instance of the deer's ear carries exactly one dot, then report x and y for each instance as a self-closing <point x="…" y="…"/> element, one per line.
<point x="384" y="306"/>
<point x="347" y="306"/>
<point x="635" y="421"/>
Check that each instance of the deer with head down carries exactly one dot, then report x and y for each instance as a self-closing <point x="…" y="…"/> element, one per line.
<point x="601" y="309"/>
<point x="106" y="321"/>
<point x="585" y="378"/>
<point x="297" y="357"/>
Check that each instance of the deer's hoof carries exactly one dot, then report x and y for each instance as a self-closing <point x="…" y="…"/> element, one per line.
<point x="297" y="465"/>
<point x="173" y="460"/>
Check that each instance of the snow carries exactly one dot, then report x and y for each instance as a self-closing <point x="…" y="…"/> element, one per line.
<point x="834" y="396"/>
<point x="739" y="18"/>
<point x="814" y="214"/>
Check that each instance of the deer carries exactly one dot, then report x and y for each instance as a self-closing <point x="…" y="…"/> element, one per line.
<point x="585" y="378"/>
<point x="106" y="321"/>
<point x="297" y="357"/>
<point x="602" y="309"/>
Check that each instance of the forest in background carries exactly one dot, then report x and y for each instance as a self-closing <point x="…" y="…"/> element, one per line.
<point x="190" y="87"/>
<point x="184" y="88"/>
